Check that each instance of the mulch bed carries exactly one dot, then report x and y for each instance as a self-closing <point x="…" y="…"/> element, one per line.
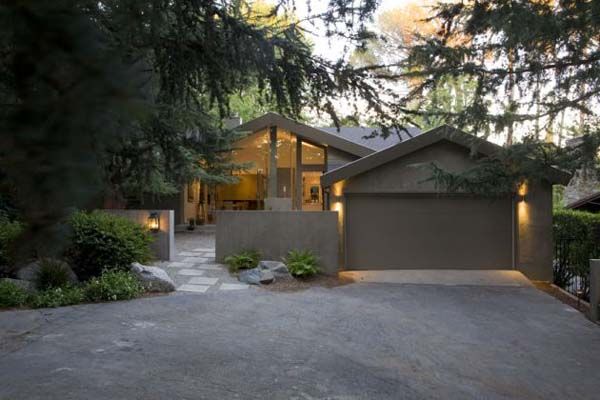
<point x="560" y="295"/>
<point x="297" y="284"/>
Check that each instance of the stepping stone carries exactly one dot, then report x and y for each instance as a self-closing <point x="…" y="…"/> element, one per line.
<point x="204" y="249"/>
<point x="189" y="254"/>
<point x="193" y="288"/>
<point x="232" y="286"/>
<point x="208" y="255"/>
<point x="190" y="272"/>
<point x="215" y="267"/>
<point x="194" y="260"/>
<point x="200" y="280"/>
<point x="179" y="264"/>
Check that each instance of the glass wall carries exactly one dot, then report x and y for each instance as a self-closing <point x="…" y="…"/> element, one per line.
<point x="252" y="188"/>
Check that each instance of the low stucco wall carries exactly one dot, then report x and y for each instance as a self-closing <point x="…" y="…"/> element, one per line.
<point x="163" y="246"/>
<point x="275" y="233"/>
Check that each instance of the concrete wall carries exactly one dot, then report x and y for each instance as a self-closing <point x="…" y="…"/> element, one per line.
<point x="535" y="244"/>
<point x="163" y="246"/>
<point x="274" y="233"/>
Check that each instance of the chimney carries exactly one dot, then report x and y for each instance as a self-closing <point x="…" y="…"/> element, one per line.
<point x="232" y="122"/>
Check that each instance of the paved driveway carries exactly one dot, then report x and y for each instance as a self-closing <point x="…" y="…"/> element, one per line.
<point x="361" y="341"/>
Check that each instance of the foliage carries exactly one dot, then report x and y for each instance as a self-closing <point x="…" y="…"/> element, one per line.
<point x="540" y="56"/>
<point x="302" y="263"/>
<point x="57" y="297"/>
<point x="9" y="232"/>
<point x="116" y="98"/>
<point x="245" y="259"/>
<point x="101" y="240"/>
<point x="11" y="295"/>
<point x="113" y="285"/>
<point x="52" y="274"/>
<point x="576" y="240"/>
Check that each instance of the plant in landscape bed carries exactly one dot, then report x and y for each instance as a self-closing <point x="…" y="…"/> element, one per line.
<point x="11" y="295"/>
<point x="302" y="263"/>
<point x="9" y="232"/>
<point x="52" y="274"/>
<point x="245" y="259"/>
<point x="103" y="240"/>
<point x="57" y="297"/>
<point x="576" y="240"/>
<point x="113" y="285"/>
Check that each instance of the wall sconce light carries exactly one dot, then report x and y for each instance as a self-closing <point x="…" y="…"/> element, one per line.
<point x="522" y="191"/>
<point x="154" y="222"/>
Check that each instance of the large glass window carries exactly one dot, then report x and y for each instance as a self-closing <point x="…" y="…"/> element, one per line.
<point x="312" y="155"/>
<point x="286" y="163"/>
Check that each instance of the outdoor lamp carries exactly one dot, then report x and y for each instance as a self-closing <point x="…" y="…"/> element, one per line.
<point x="154" y="222"/>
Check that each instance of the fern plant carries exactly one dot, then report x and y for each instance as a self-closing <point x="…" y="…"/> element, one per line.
<point x="302" y="263"/>
<point x="246" y="259"/>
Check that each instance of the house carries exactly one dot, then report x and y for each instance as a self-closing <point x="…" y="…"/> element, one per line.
<point x="589" y="203"/>
<point x="389" y="214"/>
<point x="287" y="160"/>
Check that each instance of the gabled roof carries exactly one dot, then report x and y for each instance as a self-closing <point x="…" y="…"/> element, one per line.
<point x="315" y="135"/>
<point x="358" y="134"/>
<point x="425" y="139"/>
<point x="589" y="202"/>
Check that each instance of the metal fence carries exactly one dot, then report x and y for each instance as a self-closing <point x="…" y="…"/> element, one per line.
<point x="571" y="266"/>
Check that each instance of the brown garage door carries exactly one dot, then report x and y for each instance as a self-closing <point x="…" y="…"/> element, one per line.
<point x="411" y="232"/>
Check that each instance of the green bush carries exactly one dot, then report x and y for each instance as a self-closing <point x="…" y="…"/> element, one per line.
<point x="577" y="239"/>
<point x="302" y="263"/>
<point x="113" y="285"/>
<point x="57" y="297"/>
<point x="11" y="295"/>
<point x="52" y="274"/>
<point x="9" y="232"/>
<point x="101" y="240"/>
<point x="246" y="259"/>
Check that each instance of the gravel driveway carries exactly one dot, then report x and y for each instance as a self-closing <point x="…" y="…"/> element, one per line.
<point x="360" y="341"/>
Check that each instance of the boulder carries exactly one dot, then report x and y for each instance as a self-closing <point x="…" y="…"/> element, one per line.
<point x="278" y="268"/>
<point x="153" y="279"/>
<point x="28" y="286"/>
<point x="30" y="271"/>
<point x="256" y="276"/>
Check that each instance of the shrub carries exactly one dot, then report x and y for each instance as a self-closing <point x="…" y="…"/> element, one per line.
<point x="576" y="240"/>
<point x="246" y="259"/>
<point x="302" y="263"/>
<point x="52" y="274"/>
<point x="11" y="295"/>
<point x="101" y="240"/>
<point x="57" y="297"/>
<point x="9" y="232"/>
<point x="113" y="285"/>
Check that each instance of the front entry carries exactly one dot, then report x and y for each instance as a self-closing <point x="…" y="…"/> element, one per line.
<point x="428" y="232"/>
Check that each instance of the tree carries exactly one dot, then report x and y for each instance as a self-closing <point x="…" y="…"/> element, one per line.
<point x="397" y="30"/>
<point x="118" y="94"/>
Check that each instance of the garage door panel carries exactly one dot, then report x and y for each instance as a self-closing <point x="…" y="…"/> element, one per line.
<point x="399" y="232"/>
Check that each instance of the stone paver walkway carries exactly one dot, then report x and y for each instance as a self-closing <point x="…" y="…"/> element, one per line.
<point x="194" y="269"/>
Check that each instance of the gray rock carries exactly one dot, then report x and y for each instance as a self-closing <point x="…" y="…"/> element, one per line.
<point x="30" y="271"/>
<point x="28" y="286"/>
<point x="153" y="279"/>
<point x="256" y="276"/>
<point x="278" y="268"/>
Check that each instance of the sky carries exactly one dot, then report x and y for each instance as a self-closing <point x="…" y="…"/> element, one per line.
<point x="334" y="49"/>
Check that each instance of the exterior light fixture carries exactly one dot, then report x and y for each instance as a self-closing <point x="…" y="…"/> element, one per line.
<point x="154" y="222"/>
<point x="522" y="191"/>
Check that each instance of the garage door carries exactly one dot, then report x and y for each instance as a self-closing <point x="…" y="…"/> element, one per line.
<point x="413" y="232"/>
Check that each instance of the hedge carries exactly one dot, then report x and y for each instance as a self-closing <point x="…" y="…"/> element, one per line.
<point x="576" y="240"/>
